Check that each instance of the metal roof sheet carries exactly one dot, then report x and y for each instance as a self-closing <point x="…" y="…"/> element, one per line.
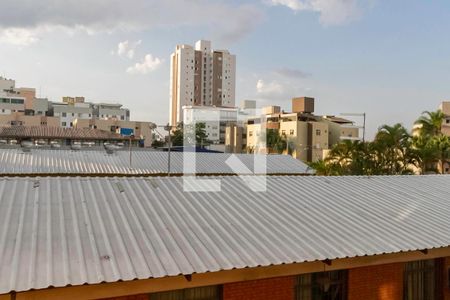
<point x="53" y="132"/>
<point x="58" y="231"/>
<point x="46" y="161"/>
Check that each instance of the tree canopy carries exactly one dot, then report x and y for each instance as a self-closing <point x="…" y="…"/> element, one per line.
<point x="393" y="151"/>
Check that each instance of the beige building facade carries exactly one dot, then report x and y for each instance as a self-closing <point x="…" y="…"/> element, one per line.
<point x="308" y="137"/>
<point x="20" y="119"/>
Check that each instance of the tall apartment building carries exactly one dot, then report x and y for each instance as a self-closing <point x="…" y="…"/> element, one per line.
<point x="200" y="76"/>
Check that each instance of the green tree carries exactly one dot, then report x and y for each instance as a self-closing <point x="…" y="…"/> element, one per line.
<point x="392" y="146"/>
<point x="425" y="154"/>
<point x="441" y="145"/>
<point x="201" y="138"/>
<point x="351" y="158"/>
<point x="430" y="122"/>
<point x="275" y="142"/>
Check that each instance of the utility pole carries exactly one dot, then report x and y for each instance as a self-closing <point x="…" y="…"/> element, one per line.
<point x="168" y="128"/>
<point x="129" y="146"/>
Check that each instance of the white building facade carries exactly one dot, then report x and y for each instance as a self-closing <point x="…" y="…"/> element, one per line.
<point x="7" y="84"/>
<point x="68" y="113"/>
<point x="215" y="119"/>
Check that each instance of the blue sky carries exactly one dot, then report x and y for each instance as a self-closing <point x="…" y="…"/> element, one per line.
<point x="390" y="59"/>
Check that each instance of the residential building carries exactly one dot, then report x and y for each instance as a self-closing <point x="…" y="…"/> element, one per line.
<point x="235" y="138"/>
<point x="20" y="119"/>
<point x="215" y="119"/>
<point x="7" y="84"/>
<point x="305" y="238"/>
<point x="11" y="104"/>
<point x="40" y="106"/>
<point x="29" y="94"/>
<point x="68" y="112"/>
<point x="308" y="136"/>
<point x="115" y="111"/>
<point x="445" y="107"/>
<point x="141" y="131"/>
<point x="48" y="135"/>
<point x="200" y="76"/>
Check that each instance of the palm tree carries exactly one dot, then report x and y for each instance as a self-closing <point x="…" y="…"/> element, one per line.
<point x="351" y="158"/>
<point x="324" y="168"/>
<point x="392" y="144"/>
<point x="431" y="122"/>
<point x="424" y="153"/>
<point x="442" y="148"/>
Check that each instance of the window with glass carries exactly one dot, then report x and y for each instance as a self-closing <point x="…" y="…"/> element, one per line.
<point x="17" y="101"/>
<point x="322" y="286"/>
<point x="422" y="280"/>
<point x="201" y="293"/>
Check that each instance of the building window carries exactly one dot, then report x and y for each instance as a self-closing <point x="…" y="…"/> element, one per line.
<point x="420" y="280"/>
<point x="283" y="132"/>
<point x="64" y="114"/>
<point x="323" y="285"/>
<point x="318" y="132"/>
<point x="17" y="101"/>
<point x="250" y="133"/>
<point x="291" y="132"/>
<point x="201" y="293"/>
<point x="63" y="124"/>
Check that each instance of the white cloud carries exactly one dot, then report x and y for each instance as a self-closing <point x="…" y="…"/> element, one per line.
<point x="269" y="89"/>
<point x="148" y="65"/>
<point x="332" y="12"/>
<point x="127" y="48"/>
<point x="226" y="21"/>
<point x="17" y="36"/>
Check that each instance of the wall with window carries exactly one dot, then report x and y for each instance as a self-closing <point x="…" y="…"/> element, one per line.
<point x="416" y="280"/>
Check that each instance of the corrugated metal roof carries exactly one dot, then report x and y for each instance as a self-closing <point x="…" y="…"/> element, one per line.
<point x="39" y="161"/>
<point x="69" y="231"/>
<point x="58" y="133"/>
